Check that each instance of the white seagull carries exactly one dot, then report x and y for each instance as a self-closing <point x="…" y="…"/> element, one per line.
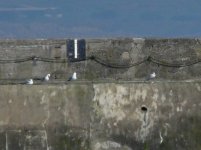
<point x="47" y="77"/>
<point x="161" y="138"/>
<point x="73" y="77"/>
<point x="30" y="81"/>
<point x="151" y="76"/>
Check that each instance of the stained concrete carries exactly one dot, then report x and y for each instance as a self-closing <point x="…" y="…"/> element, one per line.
<point x="106" y="108"/>
<point x="101" y="116"/>
<point x="122" y="51"/>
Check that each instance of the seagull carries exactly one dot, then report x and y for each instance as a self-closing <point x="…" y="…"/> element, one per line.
<point x="73" y="77"/>
<point x="161" y="138"/>
<point x="47" y="77"/>
<point x="30" y="81"/>
<point x="151" y="76"/>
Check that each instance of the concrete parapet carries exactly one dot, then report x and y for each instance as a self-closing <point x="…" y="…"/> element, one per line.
<point x="115" y="52"/>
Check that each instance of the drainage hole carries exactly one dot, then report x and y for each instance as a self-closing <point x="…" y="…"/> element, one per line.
<point x="144" y="108"/>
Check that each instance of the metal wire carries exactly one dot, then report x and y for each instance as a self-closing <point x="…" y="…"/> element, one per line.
<point x="118" y="66"/>
<point x="148" y="59"/>
<point x="102" y="62"/>
<point x="175" y="65"/>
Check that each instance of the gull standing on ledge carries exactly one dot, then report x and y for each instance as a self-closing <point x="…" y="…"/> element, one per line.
<point x="30" y="81"/>
<point x="161" y="138"/>
<point x="47" y="77"/>
<point x="73" y="77"/>
<point x="151" y="76"/>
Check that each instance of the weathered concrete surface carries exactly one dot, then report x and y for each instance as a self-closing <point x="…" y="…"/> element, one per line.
<point x="125" y="51"/>
<point x="122" y="112"/>
<point x="42" y="117"/>
<point x="101" y="116"/>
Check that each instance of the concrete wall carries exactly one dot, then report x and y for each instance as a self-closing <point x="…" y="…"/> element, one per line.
<point x="101" y="116"/>
<point x="111" y="51"/>
<point x="106" y="108"/>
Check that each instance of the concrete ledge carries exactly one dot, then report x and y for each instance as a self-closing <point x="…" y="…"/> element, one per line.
<point x="87" y="82"/>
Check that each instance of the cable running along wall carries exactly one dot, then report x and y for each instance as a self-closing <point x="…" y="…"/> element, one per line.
<point x="102" y="62"/>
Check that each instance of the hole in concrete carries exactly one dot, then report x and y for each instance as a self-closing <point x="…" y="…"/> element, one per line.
<point x="144" y="108"/>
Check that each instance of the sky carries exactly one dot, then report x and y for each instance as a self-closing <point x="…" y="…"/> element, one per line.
<point x="100" y="18"/>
